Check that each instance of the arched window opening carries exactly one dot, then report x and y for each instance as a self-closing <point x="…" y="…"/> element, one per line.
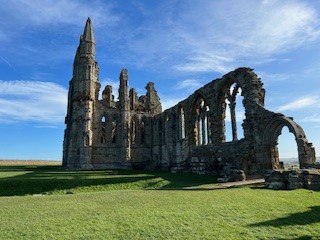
<point x="287" y="148"/>
<point x="113" y="131"/>
<point x="166" y="130"/>
<point x="102" y="139"/>
<point x="160" y="131"/>
<point x="87" y="140"/>
<point x="142" y="133"/>
<point x="133" y="131"/>
<point x="235" y="114"/>
<point x="201" y="130"/>
<point x="103" y="130"/>
<point x="182" y="125"/>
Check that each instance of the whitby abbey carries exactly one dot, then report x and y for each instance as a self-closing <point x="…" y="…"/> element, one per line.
<point x="132" y="132"/>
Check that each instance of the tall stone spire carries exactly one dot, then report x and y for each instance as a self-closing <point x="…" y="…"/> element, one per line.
<point x="87" y="46"/>
<point x="88" y="32"/>
<point x="83" y="94"/>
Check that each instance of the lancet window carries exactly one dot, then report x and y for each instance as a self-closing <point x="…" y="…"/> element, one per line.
<point x="182" y="124"/>
<point x="142" y="132"/>
<point x="103" y="131"/>
<point x="201" y="129"/>
<point x="234" y="113"/>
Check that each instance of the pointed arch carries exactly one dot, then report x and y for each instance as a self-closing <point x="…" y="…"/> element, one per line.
<point x="232" y="110"/>
<point x="201" y="122"/>
<point x="134" y="126"/>
<point x="142" y="132"/>
<point x="87" y="140"/>
<point x="270" y="140"/>
<point x="103" y="124"/>
<point x="182" y="125"/>
<point x="235" y="112"/>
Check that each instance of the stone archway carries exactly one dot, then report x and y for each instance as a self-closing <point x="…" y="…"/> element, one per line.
<point x="270" y="137"/>
<point x="201" y="121"/>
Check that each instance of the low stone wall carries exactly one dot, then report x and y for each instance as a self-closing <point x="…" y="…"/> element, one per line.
<point x="294" y="179"/>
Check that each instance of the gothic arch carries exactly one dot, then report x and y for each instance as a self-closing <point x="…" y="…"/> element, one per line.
<point x="103" y="127"/>
<point x="198" y="95"/>
<point x="200" y="112"/>
<point x="181" y="122"/>
<point x="227" y="98"/>
<point x="142" y="129"/>
<point x="248" y="81"/>
<point x="253" y="98"/>
<point x="274" y="127"/>
<point x="134" y="129"/>
<point x="273" y="130"/>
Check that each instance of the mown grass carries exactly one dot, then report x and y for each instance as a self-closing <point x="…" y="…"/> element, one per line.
<point x="147" y="205"/>
<point x="30" y="180"/>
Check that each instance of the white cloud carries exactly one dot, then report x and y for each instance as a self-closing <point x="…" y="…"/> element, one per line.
<point x="191" y="84"/>
<point x="113" y="84"/>
<point x="315" y="118"/>
<point x="274" y="77"/>
<point x="168" y="101"/>
<point x="43" y="12"/>
<point x="202" y="63"/>
<point x="216" y="36"/>
<point x="44" y="102"/>
<point x="300" y="103"/>
<point x="188" y="36"/>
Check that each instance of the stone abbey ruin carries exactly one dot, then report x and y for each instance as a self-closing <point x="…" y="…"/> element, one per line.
<point x="134" y="132"/>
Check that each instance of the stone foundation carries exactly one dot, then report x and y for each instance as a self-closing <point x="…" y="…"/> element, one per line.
<point x="294" y="179"/>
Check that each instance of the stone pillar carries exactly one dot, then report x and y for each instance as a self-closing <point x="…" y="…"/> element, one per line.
<point x="203" y="130"/>
<point x="232" y="106"/>
<point x="107" y="95"/>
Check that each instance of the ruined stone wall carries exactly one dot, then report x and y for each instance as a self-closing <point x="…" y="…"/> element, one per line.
<point x="204" y="145"/>
<point x="133" y="132"/>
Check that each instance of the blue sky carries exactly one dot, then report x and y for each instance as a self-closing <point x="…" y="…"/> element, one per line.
<point x="179" y="45"/>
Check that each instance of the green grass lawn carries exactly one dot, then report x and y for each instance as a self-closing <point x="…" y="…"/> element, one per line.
<point x="147" y="205"/>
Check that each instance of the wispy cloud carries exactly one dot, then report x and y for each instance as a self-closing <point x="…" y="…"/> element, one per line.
<point x="205" y="64"/>
<point x="7" y="62"/>
<point x="44" y="32"/>
<point x="114" y="84"/>
<point x="191" y="84"/>
<point x="44" y="102"/>
<point x="299" y="103"/>
<point x="274" y="77"/>
<point x="209" y="40"/>
<point x="169" y="101"/>
<point x="203" y="36"/>
<point x="57" y="12"/>
<point x="314" y="118"/>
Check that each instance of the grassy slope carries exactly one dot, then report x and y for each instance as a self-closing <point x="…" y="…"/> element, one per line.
<point x="173" y="213"/>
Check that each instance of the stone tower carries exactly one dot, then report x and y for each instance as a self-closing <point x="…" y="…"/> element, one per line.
<point x="83" y="92"/>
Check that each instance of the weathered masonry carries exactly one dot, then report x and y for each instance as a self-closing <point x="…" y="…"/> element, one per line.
<point x="134" y="132"/>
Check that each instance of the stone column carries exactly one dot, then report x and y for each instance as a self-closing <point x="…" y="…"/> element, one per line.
<point x="232" y="106"/>
<point x="204" y="130"/>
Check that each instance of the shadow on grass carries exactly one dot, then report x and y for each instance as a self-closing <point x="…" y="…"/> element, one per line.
<point x="30" y="180"/>
<point x="303" y="218"/>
